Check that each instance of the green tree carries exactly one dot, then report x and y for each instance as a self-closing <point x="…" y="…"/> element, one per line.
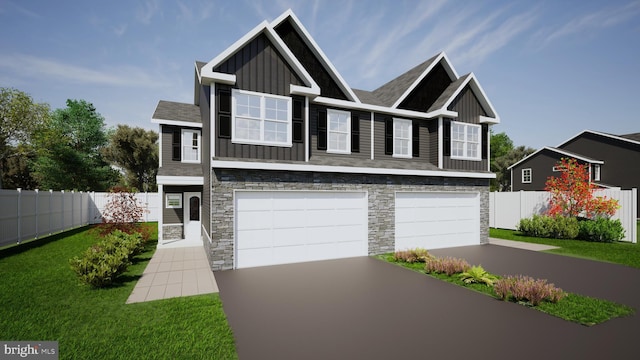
<point x="501" y="145"/>
<point x="500" y="165"/>
<point x="135" y="150"/>
<point x="21" y="118"/>
<point x="70" y="150"/>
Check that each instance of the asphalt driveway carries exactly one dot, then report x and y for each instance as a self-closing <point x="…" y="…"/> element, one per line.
<point x="363" y="308"/>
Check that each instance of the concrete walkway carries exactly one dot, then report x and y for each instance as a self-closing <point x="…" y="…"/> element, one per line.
<point x="175" y="272"/>
<point x="521" y="245"/>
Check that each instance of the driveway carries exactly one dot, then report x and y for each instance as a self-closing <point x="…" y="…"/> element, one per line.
<point x="363" y="308"/>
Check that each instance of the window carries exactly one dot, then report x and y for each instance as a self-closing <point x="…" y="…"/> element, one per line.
<point x="465" y="141"/>
<point x="261" y="119"/>
<point x="173" y="201"/>
<point x="596" y="172"/>
<point x="338" y="126"/>
<point x="526" y="176"/>
<point x="402" y="133"/>
<point x="191" y="146"/>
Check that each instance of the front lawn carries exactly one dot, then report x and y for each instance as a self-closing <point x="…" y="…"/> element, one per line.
<point x="42" y="299"/>
<point x="619" y="252"/>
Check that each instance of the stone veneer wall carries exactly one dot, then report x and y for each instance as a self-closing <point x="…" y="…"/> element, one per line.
<point x="172" y="232"/>
<point x="381" y="197"/>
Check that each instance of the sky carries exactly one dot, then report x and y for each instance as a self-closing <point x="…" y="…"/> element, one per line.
<point x="550" y="68"/>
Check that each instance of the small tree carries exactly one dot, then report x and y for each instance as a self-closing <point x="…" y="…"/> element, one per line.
<point x="572" y="193"/>
<point x="122" y="212"/>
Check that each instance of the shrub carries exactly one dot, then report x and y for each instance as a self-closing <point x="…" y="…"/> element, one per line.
<point x="476" y="274"/>
<point x="601" y="230"/>
<point x="132" y="243"/>
<point x="524" y="288"/>
<point x="448" y="265"/>
<point x="412" y="255"/>
<point x="122" y="212"/>
<point x="558" y="227"/>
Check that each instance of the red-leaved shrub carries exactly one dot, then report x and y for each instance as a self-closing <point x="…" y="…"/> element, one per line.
<point x="525" y="288"/>
<point x="122" y="212"/>
<point x="448" y="265"/>
<point x="412" y="255"/>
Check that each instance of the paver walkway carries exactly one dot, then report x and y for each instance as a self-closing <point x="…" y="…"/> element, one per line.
<point x="175" y="272"/>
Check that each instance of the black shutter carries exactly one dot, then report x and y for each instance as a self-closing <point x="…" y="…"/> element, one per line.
<point x="415" y="139"/>
<point x="446" y="137"/>
<point x="388" y="136"/>
<point x="322" y="130"/>
<point x="224" y="114"/>
<point x="176" y="145"/>
<point x="355" y="133"/>
<point x="297" y="121"/>
<point x="485" y="143"/>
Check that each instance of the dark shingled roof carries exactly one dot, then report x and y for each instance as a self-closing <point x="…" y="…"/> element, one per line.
<point x="181" y="170"/>
<point x="367" y="97"/>
<point x="390" y="92"/>
<point x="200" y="65"/>
<point x="634" y="136"/>
<point x="447" y="93"/>
<point x="169" y="110"/>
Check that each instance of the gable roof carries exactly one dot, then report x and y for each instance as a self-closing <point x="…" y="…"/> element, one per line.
<point x="175" y="113"/>
<point x="630" y="138"/>
<point x="562" y="152"/>
<point x="454" y="89"/>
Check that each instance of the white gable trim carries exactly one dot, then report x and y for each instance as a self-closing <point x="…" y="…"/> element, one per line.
<point x="209" y="76"/>
<point x="480" y="94"/>
<point x="381" y="109"/>
<point x="177" y="123"/>
<point x="453" y="75"/>
<point x="311" y="43"/>
<point x="591" y="161"/>
<point x="601" y="134"/>
<point x="224" y="164"/>
<point x="267" y="29"/>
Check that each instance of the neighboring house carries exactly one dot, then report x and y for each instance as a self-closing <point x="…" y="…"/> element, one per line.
<point x="611" y="159"/>
<point x="278" y="160"/>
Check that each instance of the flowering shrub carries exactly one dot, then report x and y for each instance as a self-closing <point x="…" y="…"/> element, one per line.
<point x="525" y="288"/>
<point x="448" y="265"/>
<point x="122" y="212"/>
<point x="412" y="255"/>
<point x="572" y="193"/>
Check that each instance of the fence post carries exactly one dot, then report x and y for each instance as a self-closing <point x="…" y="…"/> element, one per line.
<point x="50" y="208"/>
<point x="19" y="214"/>
<point x="37" y="211"/>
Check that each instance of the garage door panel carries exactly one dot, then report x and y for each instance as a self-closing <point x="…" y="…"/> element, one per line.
<point x="299" y="226"/>
<point x="436" y="220"/>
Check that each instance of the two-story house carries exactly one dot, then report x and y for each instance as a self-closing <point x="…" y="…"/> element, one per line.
<point x="278" y="160"/>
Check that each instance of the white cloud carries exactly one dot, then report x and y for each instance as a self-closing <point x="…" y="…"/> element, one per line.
<point x="147" y="11"/>
<point x="120" y="30"/>
<point x="27" y="66"/>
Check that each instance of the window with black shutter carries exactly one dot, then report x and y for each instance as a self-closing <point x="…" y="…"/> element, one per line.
<point x="388" y="136"/>
<point x="415" y="139"/>
<point x="224" y="113"/>
<point x="355" y="133"/>
<point x="322" y="130"/>
<point x="446" y="137"/>
<point x="176" y="145"/>
<point x="297" y="121"/>
<point x="485" y="142"/>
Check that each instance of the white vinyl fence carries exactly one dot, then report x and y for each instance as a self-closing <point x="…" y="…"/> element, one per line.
<point x="32" y="214"/>
<point x="507" y="208"/>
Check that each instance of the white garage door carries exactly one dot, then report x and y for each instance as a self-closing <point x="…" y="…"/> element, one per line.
<point x="279" y="227"/>
<point x="433" y="220"/>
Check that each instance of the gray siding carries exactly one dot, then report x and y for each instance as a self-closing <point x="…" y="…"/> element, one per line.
<point x="433" y="142"/>
<point x="170" y="166"/>
<point x="425" y="139"/>
<point x="469" y="110"/>
<point x="541" y="165"/>
<point x="260" y="67"/>
<point x="365" y="134"/>
<point x="205" y="112"/>
<point x="428" y="91"/>
<point x="172" y="215"/>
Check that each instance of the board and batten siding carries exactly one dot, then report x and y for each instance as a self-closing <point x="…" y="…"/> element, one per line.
<point x="469" y="111"/>
<point x="365" y="133"/>
<point x="428" y="91"/>
<point x="260" y="67"/>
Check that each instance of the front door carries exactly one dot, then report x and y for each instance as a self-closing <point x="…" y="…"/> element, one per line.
<point x="192" y="215"/>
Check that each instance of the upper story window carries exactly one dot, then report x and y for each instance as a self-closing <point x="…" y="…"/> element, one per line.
<point x="338" y="131"/>
<point x="402" y="136"/>
<point x="596" y="172"/>
<point x="526" y="176"/>
<point x="261" y="119"/>
<point x="191" y="146"/>
<point x="465" y="141"/>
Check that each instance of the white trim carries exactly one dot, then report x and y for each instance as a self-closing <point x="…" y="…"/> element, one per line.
<point x="530" y="176"/>
<point x="482" y="98"/>
<point x="311" y="43"/>
<point x="381" y="109"/>
<point x="409" y="154"/>
<point x="453" y="75"/>
<point x="488" y="145"/>
<point x="348" y="132"/>
<point x="306" y="130"/>
<point x="179" y="180"/>
<point x="177" y="123"/>
<point x="465" y="142"/>
<point x="183" y="144"/>
<point x="559" y="151"/>
<point x="440" y="144"/>
<point x="212" y="122"/>
<point x="223" y="164"/>
<point x="213" y="76"/>
<point x="601" y="134"/>
<point x="159" y="146"/>
<point x="487" y="120"/>
<point x="173" y="194"/>
<point x="262" y="119"/>
<point x="597" y="172"/>
<point x="372" y="123"/>
<point x="303" y="90"/>
<point x="160" y="213"/>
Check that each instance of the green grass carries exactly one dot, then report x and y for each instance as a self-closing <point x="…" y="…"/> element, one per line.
<point x="623" y="253"/>
<point x="41" y="299"/>
<point x="575" y="308"/>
